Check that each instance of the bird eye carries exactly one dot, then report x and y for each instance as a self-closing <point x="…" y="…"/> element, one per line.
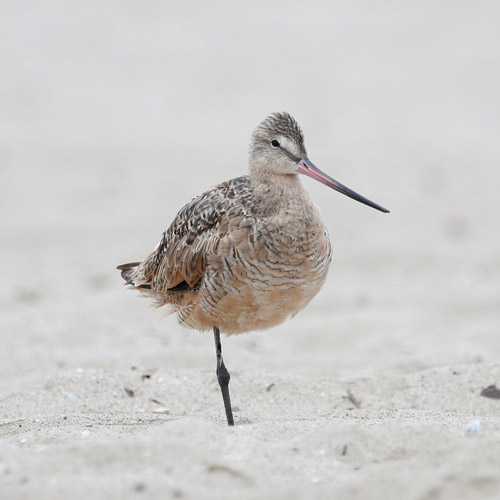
<point x="275" y="144"/>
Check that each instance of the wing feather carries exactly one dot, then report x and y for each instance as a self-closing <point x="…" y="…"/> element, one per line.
<point x="192" y="239"/>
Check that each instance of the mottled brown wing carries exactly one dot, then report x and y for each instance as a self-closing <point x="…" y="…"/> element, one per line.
<point x="181" y="257"/>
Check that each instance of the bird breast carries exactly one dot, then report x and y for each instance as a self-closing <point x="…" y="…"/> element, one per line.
<point x="266" y="270"/>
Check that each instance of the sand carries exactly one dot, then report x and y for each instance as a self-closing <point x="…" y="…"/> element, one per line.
<point x="114" y="116"/>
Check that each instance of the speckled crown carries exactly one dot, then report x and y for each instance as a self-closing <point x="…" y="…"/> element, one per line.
<point x="279" y="123"/>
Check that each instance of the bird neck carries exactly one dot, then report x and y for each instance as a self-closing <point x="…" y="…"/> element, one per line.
<point x="278" y="193"/>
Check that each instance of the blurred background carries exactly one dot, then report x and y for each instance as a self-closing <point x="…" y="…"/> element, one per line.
<point x="115" y="114"/>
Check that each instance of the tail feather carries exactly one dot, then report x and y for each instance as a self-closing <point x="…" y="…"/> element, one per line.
<point x="140" y="278"/>
<point x="128" y="271"/>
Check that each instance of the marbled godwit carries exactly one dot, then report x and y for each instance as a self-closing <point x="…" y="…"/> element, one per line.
<point x="250" y="252"/>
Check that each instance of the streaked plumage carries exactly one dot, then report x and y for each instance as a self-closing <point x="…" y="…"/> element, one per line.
<point x="251" y="251"/>
<point x="224" y="262"/>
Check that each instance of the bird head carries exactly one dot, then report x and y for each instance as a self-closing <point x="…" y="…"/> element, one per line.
<point x="277" y="148"/>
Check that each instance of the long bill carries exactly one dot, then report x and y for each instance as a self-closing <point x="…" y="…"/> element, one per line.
<point x="307" y="167"/>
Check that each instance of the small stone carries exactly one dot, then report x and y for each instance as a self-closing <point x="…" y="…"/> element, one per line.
<point x="492" y="391"/>
<point x="474" y="426"/>
<point x="139" y="487"/>
<point x="130" y="392"/>
<point x="355" y="401"/>
<point x="161" y="410"/>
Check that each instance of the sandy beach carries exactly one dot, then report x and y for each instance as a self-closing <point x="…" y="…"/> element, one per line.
<point x="114" y="116"/>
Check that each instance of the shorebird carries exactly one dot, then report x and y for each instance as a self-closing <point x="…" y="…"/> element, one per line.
<point x="248" y="253"/>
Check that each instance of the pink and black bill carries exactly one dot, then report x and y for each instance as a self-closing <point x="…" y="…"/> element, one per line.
<point x="307" y="167"/>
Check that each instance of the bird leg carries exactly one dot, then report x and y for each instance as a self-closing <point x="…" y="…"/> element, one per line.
<point x="223" y="377"/>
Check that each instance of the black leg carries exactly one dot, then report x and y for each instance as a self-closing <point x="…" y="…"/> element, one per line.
<point x="223" y="377"/>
